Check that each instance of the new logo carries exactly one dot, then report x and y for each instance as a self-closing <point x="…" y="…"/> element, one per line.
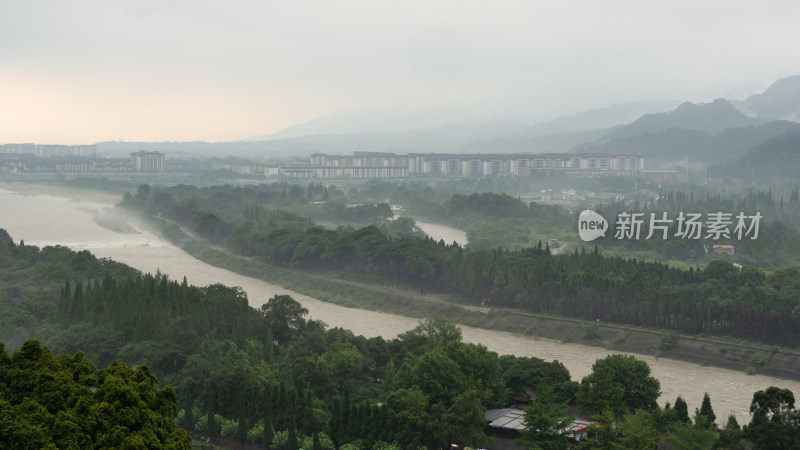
<point x="591" y="225"/>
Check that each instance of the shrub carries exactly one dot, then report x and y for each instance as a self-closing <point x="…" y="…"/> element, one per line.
<point x="759" y="359"/>
<point x="325" y="442"/>
<point x="668" y="342"/>
<point x="591" y="332"/>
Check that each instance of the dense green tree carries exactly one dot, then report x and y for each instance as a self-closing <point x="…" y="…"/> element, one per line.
<point x="520" y="372"/>
<point x="707" y="411"/>
<point x="291" y="444"/>
<point x="605" y="433"/>
<point x="66" y="402"/>
<point x="467" y="413"/>
<point x="481" y="369"/>
<point x="621" y="383"/>
<point x="775" y="422"/>
<point x="665" y="420"/>
<point x="436" y="331"/>
<point x="695" y="436"/>
<point x="638" y="431"/>
<point x="545" y="424"/>
<point x="772" y="403"/>
<point x="731" y="436"/>
<point x="284" y="316"/>
<point x="143" y="192"/>
<point x="435" y="374"/>
<point x="682" y="410"/>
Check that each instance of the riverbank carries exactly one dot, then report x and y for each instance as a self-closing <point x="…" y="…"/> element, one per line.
<point x="47" y="220"/>
<point x="749" y="358"/>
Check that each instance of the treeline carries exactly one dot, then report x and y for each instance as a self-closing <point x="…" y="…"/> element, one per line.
<point x="498" y="220"/>
<point x="272" y="375"/>
<point x="217" y="211"/>
<point x="147" y="316"/>
<point x="501" y="221"/>
<point x="290" y="240"/>
<point x="30" y="278"/>
<point x="777" y="244"/>
<point x="718" y="300"/>
<point x="622" y="394"/>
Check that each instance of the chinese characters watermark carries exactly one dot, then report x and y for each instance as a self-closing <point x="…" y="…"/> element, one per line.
<point x="689" y="226"/>
<point x="714" y="225"/>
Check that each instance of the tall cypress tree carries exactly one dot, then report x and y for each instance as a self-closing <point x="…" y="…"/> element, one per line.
<point x="268" y="433"/>
<point x="316" y="444"/>
<point x="291" y="444"/>
<point x="682" y="410"/>
<point x="708" y="411"/>
<point x="212" y="423"/>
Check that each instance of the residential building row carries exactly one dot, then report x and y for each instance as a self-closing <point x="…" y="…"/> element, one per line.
<point x="391" y="165"/>
<point x="360" y="165"/>
<point x="47" y="151"/>
<point x="17" y="162"/>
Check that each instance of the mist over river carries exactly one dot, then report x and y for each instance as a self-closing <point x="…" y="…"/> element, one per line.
<point x="48" y="220"/>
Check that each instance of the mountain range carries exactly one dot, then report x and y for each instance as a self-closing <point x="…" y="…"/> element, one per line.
<point x="663" y="131"/>
<point x="723" y="132"/>
<point x="779" y="101"/>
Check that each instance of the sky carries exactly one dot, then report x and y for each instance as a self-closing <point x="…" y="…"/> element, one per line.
<point x="81" y="72"/>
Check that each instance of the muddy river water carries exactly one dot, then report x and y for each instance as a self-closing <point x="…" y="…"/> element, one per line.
<point x="49" y="220"/>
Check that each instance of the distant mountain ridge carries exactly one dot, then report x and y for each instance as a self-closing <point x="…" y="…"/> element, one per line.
<point x="776" y="157"/>
<point x="449" y="138"/>
<point x="712" y="118"/>
<point x="600" y="118"/>
<point x="780" y="101"/>
<point x="674" y="144"/>
<point x="719" y="131"/>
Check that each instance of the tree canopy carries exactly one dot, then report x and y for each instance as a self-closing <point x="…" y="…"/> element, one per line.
<point x="65" y="402"/>
<point x="621" y="383"/>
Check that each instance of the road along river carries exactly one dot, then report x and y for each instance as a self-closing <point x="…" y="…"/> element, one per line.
<point x="48" y="220"/>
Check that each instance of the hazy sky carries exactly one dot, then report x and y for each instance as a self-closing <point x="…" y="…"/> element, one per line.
<point x="87" y="71"/>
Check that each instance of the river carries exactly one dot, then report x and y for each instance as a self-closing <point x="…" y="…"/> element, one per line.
<point x="48" y="220"/>
<point x="439" y="232"/>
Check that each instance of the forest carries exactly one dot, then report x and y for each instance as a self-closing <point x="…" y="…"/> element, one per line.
<point x="274" y="377"/>
<point x="718" y="299"/>
<point x="501" y="221"/>
<point x="273" y="374"/>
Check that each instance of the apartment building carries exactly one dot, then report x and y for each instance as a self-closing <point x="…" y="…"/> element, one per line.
<point x="143" y="161"/>
<point x="392" y="165"/>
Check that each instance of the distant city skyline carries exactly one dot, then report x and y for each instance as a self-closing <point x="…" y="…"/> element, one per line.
<point x="84" y="72"/>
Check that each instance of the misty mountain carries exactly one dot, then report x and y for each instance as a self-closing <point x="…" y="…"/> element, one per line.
<point x="711" y="118"/>
<point x="676" y="144"/>
<point x="780" y="101"/>
<point x="561" y="134"/>
<point x="386" y="130"/>
<point x="599" y="118"/>
<point x="449" y="138"/>
<point x="549" y="143"/>
<point x="379" y="121"/>
<point x="776" y="157"/>
<point x="189" y="149"/>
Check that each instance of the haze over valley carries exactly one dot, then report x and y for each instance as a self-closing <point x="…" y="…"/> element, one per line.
<point x="360" y="225"/>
